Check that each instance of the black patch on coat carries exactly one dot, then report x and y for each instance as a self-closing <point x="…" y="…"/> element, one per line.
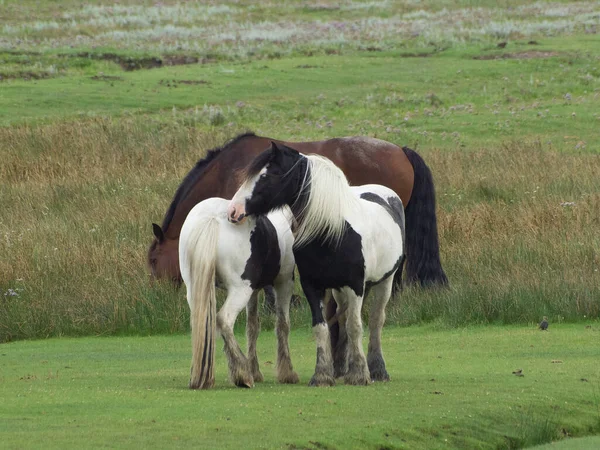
<point x="398" y="215"/>
<point x="265" y="256"/>
<point x="393" y="206"/>
<point x="327" y="266"/>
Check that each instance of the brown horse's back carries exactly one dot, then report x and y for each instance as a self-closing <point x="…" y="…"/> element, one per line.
<point x="364" y="160"/>
<point x="367" y="160"/>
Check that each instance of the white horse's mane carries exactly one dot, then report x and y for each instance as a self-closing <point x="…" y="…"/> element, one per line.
<point x="330" y="200"/>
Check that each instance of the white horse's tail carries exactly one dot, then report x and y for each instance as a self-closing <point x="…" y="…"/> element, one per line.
<point x="202" y="259"/>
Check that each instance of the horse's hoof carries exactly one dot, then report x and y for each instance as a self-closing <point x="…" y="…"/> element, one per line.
<point x="197" y="385"/>
<point x="321" y="380"/>
<point x="377" y="369"/>
<point x="258" y="377"/>
<point x="380" y="375"/>
<point x="244" y="382"/>
<point x="289" y="378"/>
<point x="357" y="379"/>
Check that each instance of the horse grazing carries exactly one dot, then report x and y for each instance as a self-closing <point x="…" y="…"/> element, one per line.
<point x="242" y="259"/>
<point x="363" y="160"/>
<point x="348" y="239"/>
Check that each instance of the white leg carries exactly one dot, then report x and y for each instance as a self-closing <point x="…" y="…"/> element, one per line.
<point x="239" y="368"/>
<point x="358" y="373"/>
<point x="324" y="369"/>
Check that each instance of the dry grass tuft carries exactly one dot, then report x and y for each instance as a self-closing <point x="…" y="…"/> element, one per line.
<point x="518" y="228"/>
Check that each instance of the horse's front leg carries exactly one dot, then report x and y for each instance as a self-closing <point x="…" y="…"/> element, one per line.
<point x="358" y="372"/>
<point x="283" y="295"/>
<point x="252" y="332"/>
<point x="336" y="319"/>
<point x="240" y="371"/>
<point x="324" y="368"/>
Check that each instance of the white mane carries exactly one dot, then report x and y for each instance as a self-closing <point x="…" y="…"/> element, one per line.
<point x="329" y="202"/>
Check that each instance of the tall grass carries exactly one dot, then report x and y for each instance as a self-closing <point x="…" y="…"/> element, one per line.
<point x="518" y="227"/>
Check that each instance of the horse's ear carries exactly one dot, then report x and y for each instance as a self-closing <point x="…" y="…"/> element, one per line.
<point x="275" y="147"/>
<point x="158" y="232"/>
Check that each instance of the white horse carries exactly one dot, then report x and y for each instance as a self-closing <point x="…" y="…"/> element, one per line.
<point x="349" y="240"/>
<point x="242" y="259"/>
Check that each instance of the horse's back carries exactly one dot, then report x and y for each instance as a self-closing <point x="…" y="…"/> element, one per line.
<point x="254" y="251"/>
<point x="366" y="160"/>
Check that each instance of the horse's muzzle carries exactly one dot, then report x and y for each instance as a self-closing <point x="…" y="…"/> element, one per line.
<point x="236" y="214"/>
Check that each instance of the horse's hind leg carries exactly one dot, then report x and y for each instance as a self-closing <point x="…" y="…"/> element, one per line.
<point x="381" y="296"/>
<point x="240" y="371"/>
<point x="269" y="298"/>
<point x="283" y="295"/>
<point x="358" y="373"/>
<point x="252" y="331"/>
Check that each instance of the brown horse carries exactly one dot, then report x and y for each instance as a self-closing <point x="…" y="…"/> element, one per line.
<point x="364" y="161"/>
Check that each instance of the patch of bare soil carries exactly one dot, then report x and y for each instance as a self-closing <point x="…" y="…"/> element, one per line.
<point x="170" y="83"/>
<point x="529" y="54"/>
<point x="416" y="55"/>
<point x="106" y="78"/>
<point x="24" y="75"/>
<point x="130" y="63"/>
<point x="191" y="81"/>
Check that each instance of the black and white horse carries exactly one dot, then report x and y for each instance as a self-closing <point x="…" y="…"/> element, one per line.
<point x="348" y="239"/>
<point x="242" y="259"/>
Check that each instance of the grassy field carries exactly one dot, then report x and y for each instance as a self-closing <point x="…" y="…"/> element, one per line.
<point x="105" y="107"/>
<point x="449" y="389"/>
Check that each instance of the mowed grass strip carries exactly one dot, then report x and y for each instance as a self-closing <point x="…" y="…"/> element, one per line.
<point x="449" y="389"/>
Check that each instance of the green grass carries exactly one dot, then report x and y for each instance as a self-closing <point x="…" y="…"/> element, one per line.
<point x="92" y="152"/>
<point x="449" y="389"/>
<point x="445" y="100"/>
<point x="572" y="444"/>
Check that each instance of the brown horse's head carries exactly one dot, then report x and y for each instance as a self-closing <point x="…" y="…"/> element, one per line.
<point x="163" y="257"/>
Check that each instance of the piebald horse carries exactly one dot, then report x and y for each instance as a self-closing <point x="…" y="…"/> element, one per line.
<point x="363" y="160"/>
<point x="348" y="239"/>
<point x="242" y="259"/>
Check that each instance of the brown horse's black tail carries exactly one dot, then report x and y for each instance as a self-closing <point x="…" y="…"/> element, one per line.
<point x="423" y="263"/>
